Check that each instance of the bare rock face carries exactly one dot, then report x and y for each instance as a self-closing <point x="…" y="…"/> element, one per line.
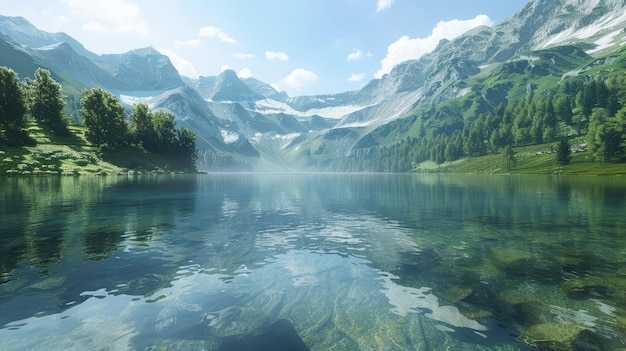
<point x="143" y="69"/>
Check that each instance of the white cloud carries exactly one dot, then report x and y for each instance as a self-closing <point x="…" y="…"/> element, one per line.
<point x="245" y="73"/>
<point x="225" y="67"/>
<point x="242" y="55"/>
<point x="192" y="43"/>
<point x="184" y="66"/>
<point x="357" y="55"/>
<point x="117" y="16"/>
<point x="216" y="33"/>
<point x="356" y="77"/>
<point x="276" y="55"/>
<point x="382" y="5"/>
<point x="405" y="48"/>
<point x="299" y="78"/>
<point x="94" y="26"/>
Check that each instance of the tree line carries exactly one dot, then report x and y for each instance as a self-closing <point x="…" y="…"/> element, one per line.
<point x="593" y="108"/>
<point x="102" y="113"/>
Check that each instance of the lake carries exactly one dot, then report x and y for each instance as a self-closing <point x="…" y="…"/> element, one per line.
<point x="313" y="261"/>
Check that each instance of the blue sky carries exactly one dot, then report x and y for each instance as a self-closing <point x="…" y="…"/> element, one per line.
<point x="303" y="47"/>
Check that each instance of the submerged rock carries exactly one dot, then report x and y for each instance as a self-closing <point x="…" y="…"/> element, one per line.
<point x="552" y="336"/>
<point x="620" y="325"/>
<point x="279" y="336"/>
<point x="522" y="307"/>
<point x="457" y="293"/>
<point x="146" y="284"/>
<point x="564" y="336"/>
<point x="49" y="283"/>
<point x="514" y="297"/>
<point x="520" y="263"/>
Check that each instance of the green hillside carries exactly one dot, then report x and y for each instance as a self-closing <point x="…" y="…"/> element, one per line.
<point x="530" y="103"/>
<point x="74" y="155"/>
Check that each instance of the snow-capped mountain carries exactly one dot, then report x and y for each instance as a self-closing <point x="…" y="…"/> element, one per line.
<point x="251" y="120"/>
<point x="597" y="22"/>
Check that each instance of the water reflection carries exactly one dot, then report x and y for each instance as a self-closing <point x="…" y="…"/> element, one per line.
<point x="55" y="223"/>
<point x="205" y="307"/>
<point x="362" y="262"/>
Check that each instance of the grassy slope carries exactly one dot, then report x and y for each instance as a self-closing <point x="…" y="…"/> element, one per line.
<point x="528" y="162"/>
<point x="73" y="155"/>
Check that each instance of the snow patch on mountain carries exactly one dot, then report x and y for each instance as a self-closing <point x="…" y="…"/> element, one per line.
<point x="228" y="136"/>
<point x="609" y="22"/>
<point x="268" y="106"/>
<point x="287" y="138"/>
<point x="133" y="100"/>
<point x="606" y="41"/>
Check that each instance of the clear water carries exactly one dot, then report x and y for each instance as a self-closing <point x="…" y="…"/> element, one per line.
<point x="353" y="262"/>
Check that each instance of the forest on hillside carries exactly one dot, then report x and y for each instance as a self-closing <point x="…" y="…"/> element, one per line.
<point x="593" y="108"/>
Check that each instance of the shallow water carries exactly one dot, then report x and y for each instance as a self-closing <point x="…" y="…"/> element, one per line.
<point x="353" y="262"/>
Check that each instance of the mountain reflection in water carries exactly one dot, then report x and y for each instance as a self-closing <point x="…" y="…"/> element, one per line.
<point x="319" y="261"/>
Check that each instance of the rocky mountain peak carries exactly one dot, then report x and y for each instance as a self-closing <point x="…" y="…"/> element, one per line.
<point x="228" y="87"/>
<point x="264" y="89"/>
<point x="547" y="23"/>
<point x="144" y="69"/>
<point x="145" y="52"/>
<point x="20" y="30"/>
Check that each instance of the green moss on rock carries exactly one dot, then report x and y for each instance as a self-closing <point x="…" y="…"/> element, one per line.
<point x="514" y="297"/>
<point x="457" y="293"/>
<point x="522" y="263"/>
<point x="610" y="287"/>
<point x="552" y="336"/>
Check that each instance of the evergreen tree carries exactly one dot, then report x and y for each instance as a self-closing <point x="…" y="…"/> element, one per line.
<point x="454" y="147"/>
<point x="439" y="150"/>
<point x="563" y="153"/>
<point x="594" y="132"/>
<point x="616" y="136"/>
<point x="522" y="124"/>
<point x="104" y="118"/>
<point x="605" y="137"/>
<point x="563" y="109"/>
<point x="590" y="92"/>
<point x="509" y="157"/>
<point x="549" y="117"/>
<point x="613" y="105"/>
<point x="474" y="145"/>
<point x="612" y="137"/>
<point x="602" y="93"/>
<point x="586" y="100"/>
<point x="12" y="107"/>
<point x="536" y="130"/>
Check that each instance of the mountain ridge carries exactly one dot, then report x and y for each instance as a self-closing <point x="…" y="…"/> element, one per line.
<point x="236" y="116"/>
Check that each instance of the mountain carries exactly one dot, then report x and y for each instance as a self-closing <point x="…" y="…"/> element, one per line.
<point x="24" y="33"/>
<point x="11" y="55"/>
<point x="225" y="87"/>
<point x="142" y="69"/>
<point x="543" y="44"/>
<point x="138" y="76"/>
<point x="264" y="89"/>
